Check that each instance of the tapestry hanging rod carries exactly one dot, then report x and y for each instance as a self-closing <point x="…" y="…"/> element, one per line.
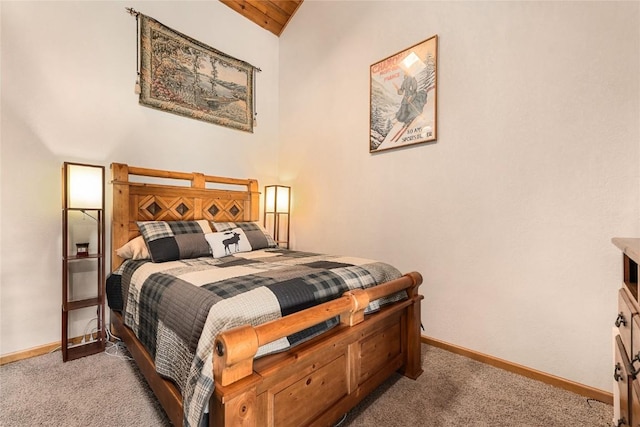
<point x="136" y="14"/>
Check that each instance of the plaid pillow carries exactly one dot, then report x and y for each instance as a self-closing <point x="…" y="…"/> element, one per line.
<point x="173" y="240"/>
<point x="258" y="237"/>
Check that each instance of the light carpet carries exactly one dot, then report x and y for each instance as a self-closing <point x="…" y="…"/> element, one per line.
<point x="103" y="390"/>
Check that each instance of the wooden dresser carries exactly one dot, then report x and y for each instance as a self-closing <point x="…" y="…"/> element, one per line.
<point x="626" y="372"/>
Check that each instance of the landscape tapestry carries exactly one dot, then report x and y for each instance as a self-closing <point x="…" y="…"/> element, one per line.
<point x="184" y="76"/>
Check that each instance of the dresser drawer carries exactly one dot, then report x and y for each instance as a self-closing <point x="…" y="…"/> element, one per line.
<point x="626" y="313"/>
<point x="635" y="403"/>
<point x="634" y="350"/>
<point x="622" y="378"/>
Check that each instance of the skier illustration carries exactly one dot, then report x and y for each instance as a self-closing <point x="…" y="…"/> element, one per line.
<point x="408" y="110"/>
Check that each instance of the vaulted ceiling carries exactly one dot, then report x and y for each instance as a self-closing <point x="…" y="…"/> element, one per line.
<point x="272" y="15"/>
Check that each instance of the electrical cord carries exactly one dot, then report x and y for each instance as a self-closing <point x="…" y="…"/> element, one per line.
<point x="115" y="347"/>
<point x="84" y="335"/>
<point x="110" y="336"/>
<point x="339" y="423"/>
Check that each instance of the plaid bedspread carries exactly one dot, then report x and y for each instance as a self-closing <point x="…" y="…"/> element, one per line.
<point x="177" y="308"/>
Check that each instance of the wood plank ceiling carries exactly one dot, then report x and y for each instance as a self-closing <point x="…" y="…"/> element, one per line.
<point x="272" y="15"/>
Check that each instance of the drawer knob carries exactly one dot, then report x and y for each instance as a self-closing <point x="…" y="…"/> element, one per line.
<point x="620" y="320"/>
<point x="616" y="374"/>
<point x="633" y="371"/>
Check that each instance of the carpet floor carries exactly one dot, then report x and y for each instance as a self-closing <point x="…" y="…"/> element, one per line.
<point x="108" y="390"/>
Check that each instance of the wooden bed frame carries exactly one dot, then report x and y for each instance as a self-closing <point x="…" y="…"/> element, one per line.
<point x="314" y="383"/>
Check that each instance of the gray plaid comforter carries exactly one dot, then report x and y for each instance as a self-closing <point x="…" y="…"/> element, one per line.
<point x="177" y="308"/>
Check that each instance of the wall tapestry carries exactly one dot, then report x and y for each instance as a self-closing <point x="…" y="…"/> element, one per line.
<point x="403" y="97"/>
<point x="184" y="76"/>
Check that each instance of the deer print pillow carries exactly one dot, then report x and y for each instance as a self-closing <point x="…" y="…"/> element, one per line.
<point x="228" y="242"/>
<point x="258" y="236"/>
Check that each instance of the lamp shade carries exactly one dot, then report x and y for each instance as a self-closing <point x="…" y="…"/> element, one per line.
<point x="277" y="207"/>
<point x="277" y="198"/>
<point x="84" y="186"/>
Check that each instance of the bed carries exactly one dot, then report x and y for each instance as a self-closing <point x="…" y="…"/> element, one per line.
<point x="286" y="360"/>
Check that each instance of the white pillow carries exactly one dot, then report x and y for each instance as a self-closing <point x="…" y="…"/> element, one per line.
<point x="134" y="249"/>
<point x="228" y="242"/>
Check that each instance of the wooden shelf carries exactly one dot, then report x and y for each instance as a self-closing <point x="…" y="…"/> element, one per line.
<point x="80" y="258"/>
<point x="83" y="303"/>
<point x="82" y="350"/>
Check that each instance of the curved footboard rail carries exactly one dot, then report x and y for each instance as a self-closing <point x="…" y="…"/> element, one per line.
<point x="235" y="349"/>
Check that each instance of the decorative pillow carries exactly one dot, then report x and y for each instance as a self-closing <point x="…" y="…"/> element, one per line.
<point x="228" y="242"/>
<point x="258" y="237"/>
<point x="173" y="240"/>
<point x="134" y="249"/>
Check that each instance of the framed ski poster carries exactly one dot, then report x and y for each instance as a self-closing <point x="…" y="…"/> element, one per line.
<point x="404" y="98"/>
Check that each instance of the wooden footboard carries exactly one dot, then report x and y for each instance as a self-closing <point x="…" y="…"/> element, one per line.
<point x="325" y="377"/>
<point x="321" y="379"/>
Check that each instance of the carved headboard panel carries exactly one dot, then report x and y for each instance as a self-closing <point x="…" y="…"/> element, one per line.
<point x="157" y="195"/>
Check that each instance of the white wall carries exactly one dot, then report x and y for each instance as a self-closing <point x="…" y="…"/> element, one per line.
<point x="509" y="215"/>
<point x="68" y="73"/>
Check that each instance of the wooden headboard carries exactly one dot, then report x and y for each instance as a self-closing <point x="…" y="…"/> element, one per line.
<point x="187" y="196"/>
